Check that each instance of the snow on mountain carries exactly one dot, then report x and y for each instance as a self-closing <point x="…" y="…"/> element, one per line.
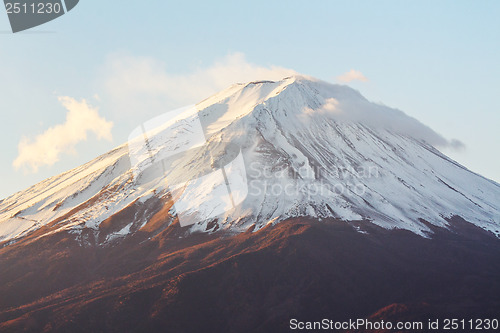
<point x="308" y="148"/>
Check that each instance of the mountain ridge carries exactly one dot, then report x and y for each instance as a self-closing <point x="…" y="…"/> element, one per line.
<point x="334" y="219"/>
<point x="295" y="133"/>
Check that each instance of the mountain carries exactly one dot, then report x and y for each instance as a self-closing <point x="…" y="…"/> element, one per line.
<point x="334" y="153"/>
<point x="265" y="201"/>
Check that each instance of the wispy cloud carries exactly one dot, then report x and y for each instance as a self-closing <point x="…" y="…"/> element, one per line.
<point x="46" y="148"/>
<point x="377" y="116"/>
<point x="352" y="75"/>
<point x="144" y="84"/>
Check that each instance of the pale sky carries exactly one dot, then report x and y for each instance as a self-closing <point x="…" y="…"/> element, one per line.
<point x="75" y="87"/>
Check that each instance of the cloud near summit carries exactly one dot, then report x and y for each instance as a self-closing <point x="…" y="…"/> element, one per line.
<point x="135" y="83"/>
<point x="378" y="116"/>
<point x="352" y="75"/>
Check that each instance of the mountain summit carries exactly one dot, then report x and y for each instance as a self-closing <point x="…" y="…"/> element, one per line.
<point x="265" y="202"/>
<point x="305" y="148"/>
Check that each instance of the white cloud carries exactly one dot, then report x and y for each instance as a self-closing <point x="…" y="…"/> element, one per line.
<point x="46" y="148"/>
<point x="330" y="107"/>
<point x="351" y="76"/>
<point x="144" y="85"/>
<point x="349" y="106"/>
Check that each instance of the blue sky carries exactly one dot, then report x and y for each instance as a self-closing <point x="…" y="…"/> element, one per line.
<point x="436" y="61"/>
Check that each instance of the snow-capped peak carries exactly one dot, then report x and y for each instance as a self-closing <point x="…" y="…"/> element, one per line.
<point x="307" y="148"/>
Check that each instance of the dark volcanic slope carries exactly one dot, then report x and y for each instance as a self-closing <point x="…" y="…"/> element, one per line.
<point x="251" y="282"/>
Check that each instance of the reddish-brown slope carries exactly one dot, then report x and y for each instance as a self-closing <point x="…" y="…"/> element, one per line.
<point x="254" y="281"/>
